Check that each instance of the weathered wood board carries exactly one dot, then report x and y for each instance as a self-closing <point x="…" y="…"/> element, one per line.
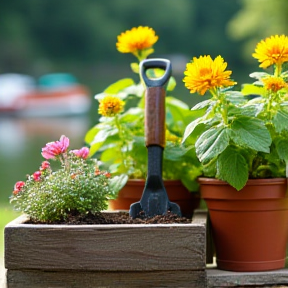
<point x="52" y="279"/>
<point x="219" y="278"/>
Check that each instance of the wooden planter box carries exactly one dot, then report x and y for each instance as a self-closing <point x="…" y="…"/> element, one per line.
<point x="134" y="255"/>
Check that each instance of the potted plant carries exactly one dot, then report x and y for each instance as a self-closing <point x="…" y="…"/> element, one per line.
<point x="118" y="138"/>
<point x="65" y="234"/>
<point x="242" y="144"/>
<point x="78" y="187"/>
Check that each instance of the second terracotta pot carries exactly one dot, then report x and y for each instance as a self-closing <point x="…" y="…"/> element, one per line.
<point x="250" y="226"/>
<point x="176" y="191"/>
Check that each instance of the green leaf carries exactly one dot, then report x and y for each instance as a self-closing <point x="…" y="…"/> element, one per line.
<point x="117" y="183"/>
<point x="232" y="167"/>
<point x="259" y="75"/>
<point x="190" y="128"/>
<point x="118" y="86"/>
<point x="252" y="89"/>
<point x="135" y="67"/>
<point x="252" y="133"/>
<point x="282" y="149"/>
<point x="110" y="154"/>
<point x="280" y="121"/>
<point x="131" y="115"/>
<point x="235" y="97"/>
<point x="202" y="104"/>
<point x="171" y="84"/>
<point x="171" y="101"/>
<point x="175" y="153"/>
<point x="176" y="114"/>
<point x="90" y="135"/>
<point x="100" y="138"/>
<point x="211" y="143"/>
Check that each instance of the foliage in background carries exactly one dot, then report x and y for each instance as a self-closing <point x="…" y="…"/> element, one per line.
<point x="78" y="187"/>
<point x="258" y="19"/>
<point x="119" y="136"/>
<point x="238" y="138"/>
<point x="79" y="39"/>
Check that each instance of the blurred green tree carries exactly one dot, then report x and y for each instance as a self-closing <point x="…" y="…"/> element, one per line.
<point x="256" y="20"/>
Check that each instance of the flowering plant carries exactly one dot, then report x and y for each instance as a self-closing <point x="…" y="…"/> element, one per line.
<point x="119" y="135"/>
<point x="78" y="187"/>
<point x="240" y="135"/>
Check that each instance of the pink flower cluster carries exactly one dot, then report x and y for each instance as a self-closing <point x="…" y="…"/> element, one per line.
<point x="53" y="149"/>
<point x="50" y="151"/>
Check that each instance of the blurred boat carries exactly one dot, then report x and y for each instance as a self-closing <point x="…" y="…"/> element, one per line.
<point x="54" y="95"/>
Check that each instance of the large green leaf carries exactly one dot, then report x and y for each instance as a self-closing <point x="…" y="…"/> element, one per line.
<point x="190" y="128"/>
<point x="282" y="149"/>
<point x="232" y="167"/>
<point x="119" y="85"/>
<point x="117" y="183"/>
<point x="91" y="134"/>
<point x="100" y="138"/>
<point x="172" y="101"/>
<point x="175" y="153"/>
<point x="280" y="121"/>
<point x="211" y="143"/>
<point x="203" y="104"/>
<point x="249" y="89"/>
<point x="252" y="133"/>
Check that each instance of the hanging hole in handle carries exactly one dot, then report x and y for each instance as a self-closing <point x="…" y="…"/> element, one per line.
<point x="155" y="72"/>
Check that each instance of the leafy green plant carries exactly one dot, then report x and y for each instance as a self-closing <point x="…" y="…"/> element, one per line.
<point x="118" y="138"/>
<point x="78" y="187"/>
<point x="241" y="135"/>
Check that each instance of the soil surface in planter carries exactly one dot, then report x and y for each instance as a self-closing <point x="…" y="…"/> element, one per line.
<point x="118" y="218"/>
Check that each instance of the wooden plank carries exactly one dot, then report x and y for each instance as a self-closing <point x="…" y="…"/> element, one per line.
<point x="135" y="247"/>
<point x="76" y="279"/>
<point x="201" y="216"/>
<point x="220" y="278"/>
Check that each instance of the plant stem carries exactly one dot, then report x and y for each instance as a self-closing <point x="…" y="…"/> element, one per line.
<point x="122" y="139"/>
<point x="278" y="69"/>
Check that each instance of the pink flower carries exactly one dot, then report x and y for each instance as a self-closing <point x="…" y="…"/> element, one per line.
<point x="37" y="176"/>
<point x="82" y="153"/>
<point x="18" y="186"/>
<point x="53" y="149"/>
<point x="45" y="165"/>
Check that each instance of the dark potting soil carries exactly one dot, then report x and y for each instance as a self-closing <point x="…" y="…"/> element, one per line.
<point x="118" y="218"/>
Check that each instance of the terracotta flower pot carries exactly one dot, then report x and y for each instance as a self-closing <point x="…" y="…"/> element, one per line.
<point x="250" y="226"/>
<point x="176" y="191"/>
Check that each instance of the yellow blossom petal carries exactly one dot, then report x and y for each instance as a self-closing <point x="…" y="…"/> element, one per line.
<point x="136" y="39"/>
<point x="272" y="50"/>
<point x="110" y="106"/>
<point x="274" y="84"/>
<point x="204" y="74"/>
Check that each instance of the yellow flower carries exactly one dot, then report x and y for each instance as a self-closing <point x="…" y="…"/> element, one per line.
<point x="136" y="39"/>
<point x="171" y="137"/>
<point x="204" y="74"/>
<point x="274" y="84"/>
<point x="272" y="50"/>
<point x="110" y="106"/>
